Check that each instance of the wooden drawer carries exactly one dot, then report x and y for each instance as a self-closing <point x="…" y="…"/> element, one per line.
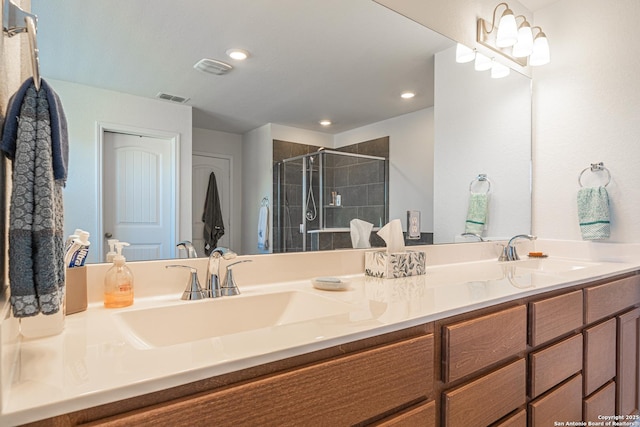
<point x="554" y="317"/>
<point x="602" y="402"/>
<point x="471" y="345"/>
<point x="519" y="419"/>
<point x="628" y="376"/>
<point x="551" y="366"/>
<point x="423" y="415"/>
<point x="604" y="300"/>
<point x="599" y="355"/>
<point x="562" y="404"/>
<point x="468" y="404"/>
<point x="342" y="391"/>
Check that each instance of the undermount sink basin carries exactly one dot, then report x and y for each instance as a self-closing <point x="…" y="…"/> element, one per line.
<point x="553" y="265"/>
<point x="197" y="320"/>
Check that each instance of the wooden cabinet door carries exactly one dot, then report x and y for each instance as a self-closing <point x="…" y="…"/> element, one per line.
<point x="552" y="317"/>
<point x="628" y="358"/>
<point x="423" y="415"/>
<point x="564" y="403"/>
<point x="600" y="403"/>
<point x="599" y="355"/>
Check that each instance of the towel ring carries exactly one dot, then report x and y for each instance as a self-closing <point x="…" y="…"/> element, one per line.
<point x="480" y="178"/>
<point x="595" y="167"/>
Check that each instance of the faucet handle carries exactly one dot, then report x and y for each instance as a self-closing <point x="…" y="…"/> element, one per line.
<point x="193" y="290"/>
<point x="230" y="287"/>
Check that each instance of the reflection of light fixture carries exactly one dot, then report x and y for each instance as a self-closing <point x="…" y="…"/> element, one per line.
<point x="407" y="95"/>
<point x="237" y="54"/>
<point x="499" y="70"/>
<point x="508" y="34"/>
<point x="464" y="54"/>
<point x="325" y="122"/>
<point x="483" y="63"/>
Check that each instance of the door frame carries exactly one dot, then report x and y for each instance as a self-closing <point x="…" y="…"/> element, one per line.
<point x="231" y="192"/>
<point x="174" y="141"/>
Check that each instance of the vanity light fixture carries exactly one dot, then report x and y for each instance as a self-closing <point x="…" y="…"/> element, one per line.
<point x="237" y="54"/>
<point x="512" y="41"/>
<point x="482" y="63"/>
<point x="464" y="54"/>
<point x="325" y="122"/>
<point x="499" y="70"/>
<point x="407" y="95"/>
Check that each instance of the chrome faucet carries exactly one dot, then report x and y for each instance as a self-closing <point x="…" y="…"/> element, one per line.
<point x="477" y="236"/>
<point x="212" y="288"/>
<point x="509" y="252"/>
<point x="230" y="287"/>
<point x="188" y="247"/>
<point x="193" y="290"/>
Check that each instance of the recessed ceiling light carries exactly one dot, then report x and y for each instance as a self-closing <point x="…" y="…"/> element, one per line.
<point x="238" y="54"/>
<point x="325" y="122"/>
<point x="407" y="95"/>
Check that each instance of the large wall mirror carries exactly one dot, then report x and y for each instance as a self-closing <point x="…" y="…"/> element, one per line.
<point x="346" y="61"/>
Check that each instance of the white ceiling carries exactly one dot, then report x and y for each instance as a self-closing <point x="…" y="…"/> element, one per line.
<point x="347" y="61"/>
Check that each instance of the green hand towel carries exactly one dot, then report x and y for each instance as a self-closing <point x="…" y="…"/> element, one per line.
<point x="477" y="213"/>
<point x="593" y="213"/>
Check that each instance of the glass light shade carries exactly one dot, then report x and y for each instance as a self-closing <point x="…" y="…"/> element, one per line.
<point x="464" y="54"/>
<point x="524" y="45"/>
<point x="507" y="30"/>
<point x="499" y="71"/>
<point x="540" y="54"/>
<point x="482" y="62"/>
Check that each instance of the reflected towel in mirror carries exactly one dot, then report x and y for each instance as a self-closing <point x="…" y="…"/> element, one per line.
<point x="477" y="213"/>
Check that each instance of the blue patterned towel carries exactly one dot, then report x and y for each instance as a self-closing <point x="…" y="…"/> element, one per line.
<point x="477" y="213"/>
<point x="593" y="213"/>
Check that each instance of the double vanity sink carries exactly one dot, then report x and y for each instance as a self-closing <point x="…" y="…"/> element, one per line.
<point x="160" y="342"/>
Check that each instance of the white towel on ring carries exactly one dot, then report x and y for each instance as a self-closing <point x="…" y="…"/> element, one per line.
<point x="263" y="228"/>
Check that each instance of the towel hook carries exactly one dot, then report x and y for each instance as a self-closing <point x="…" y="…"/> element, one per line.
<point x="12" y="18"/>
<point x="265" y="201"/>
<point x="595" y="167"/>
<point x="481" y="178"/>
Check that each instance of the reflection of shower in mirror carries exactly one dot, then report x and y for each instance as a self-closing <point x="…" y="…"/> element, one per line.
<point x="312" y="208"/>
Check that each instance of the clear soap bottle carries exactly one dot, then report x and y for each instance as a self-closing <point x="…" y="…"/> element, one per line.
<point x="118" y="282"/>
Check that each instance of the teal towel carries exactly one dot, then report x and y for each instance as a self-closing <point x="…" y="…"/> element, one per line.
<point x="477" y="213"/>
<point x="593" y="213"/>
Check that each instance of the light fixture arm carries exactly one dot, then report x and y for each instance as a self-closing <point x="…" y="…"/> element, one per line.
<point x="539" y="31"/>
<point x="493" y="21"/>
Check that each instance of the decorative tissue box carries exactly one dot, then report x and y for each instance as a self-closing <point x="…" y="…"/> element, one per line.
<point x="395" y="264"/>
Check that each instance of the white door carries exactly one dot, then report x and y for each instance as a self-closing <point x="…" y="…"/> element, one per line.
<point x="203" y="165"/>
<point x="137" y="195"/>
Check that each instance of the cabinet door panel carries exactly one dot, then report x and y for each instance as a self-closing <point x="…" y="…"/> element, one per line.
<point x="562" y="404"/>
<point x="423" y="415"/>
<point x="519" y="419"/>
<point x="553" y="317"/>
<point x="600" y="355"/>
<point x="555" y="364"/>
<point x="602" y="402"/>
<point x="611" y="298"/>
<point x="627" y="376"/>
<point x="474" y="344"/>
<point x="468" y="404"/>
<point x="342" y="391"/>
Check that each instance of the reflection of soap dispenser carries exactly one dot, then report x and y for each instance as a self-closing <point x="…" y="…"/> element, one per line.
<point x="118" y="282"/>
<point x="112" y="252"/>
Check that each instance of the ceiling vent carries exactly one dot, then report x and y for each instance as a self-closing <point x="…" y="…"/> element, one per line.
<point x="172" y="98"/>
<point x="212" y="66"/>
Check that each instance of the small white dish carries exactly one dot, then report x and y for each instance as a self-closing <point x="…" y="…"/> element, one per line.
<point x="330" y="283"/>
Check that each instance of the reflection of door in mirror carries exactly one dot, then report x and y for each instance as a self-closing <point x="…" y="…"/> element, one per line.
<point x="137" y="181"/>
<point x="203" y="165"/>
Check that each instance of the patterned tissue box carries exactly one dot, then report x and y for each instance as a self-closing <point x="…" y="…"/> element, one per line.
<point x="395" y="264"/>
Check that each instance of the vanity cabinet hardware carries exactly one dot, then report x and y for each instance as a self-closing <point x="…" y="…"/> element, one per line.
<point x="553" y="317"/>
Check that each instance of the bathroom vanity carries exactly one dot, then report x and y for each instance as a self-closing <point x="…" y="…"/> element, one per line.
<point x="470" y="344"/>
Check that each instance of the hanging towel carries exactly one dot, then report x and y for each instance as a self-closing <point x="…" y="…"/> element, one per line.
<point x="477" y="213"/>
<point x="36" y="214"/>
<point x="593" y="213"/>
<point x="212" y="217"/>
<point x="263" y="228"/>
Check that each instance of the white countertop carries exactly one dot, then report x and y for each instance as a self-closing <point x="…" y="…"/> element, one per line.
<point x="95" y="361"/>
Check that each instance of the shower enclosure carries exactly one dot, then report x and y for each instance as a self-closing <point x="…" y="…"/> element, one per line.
<point x="318" y="194"/>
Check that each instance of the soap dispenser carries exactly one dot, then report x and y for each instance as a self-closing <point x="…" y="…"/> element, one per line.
<point x="118" y="282"/>
<point x="112" y="249"/>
